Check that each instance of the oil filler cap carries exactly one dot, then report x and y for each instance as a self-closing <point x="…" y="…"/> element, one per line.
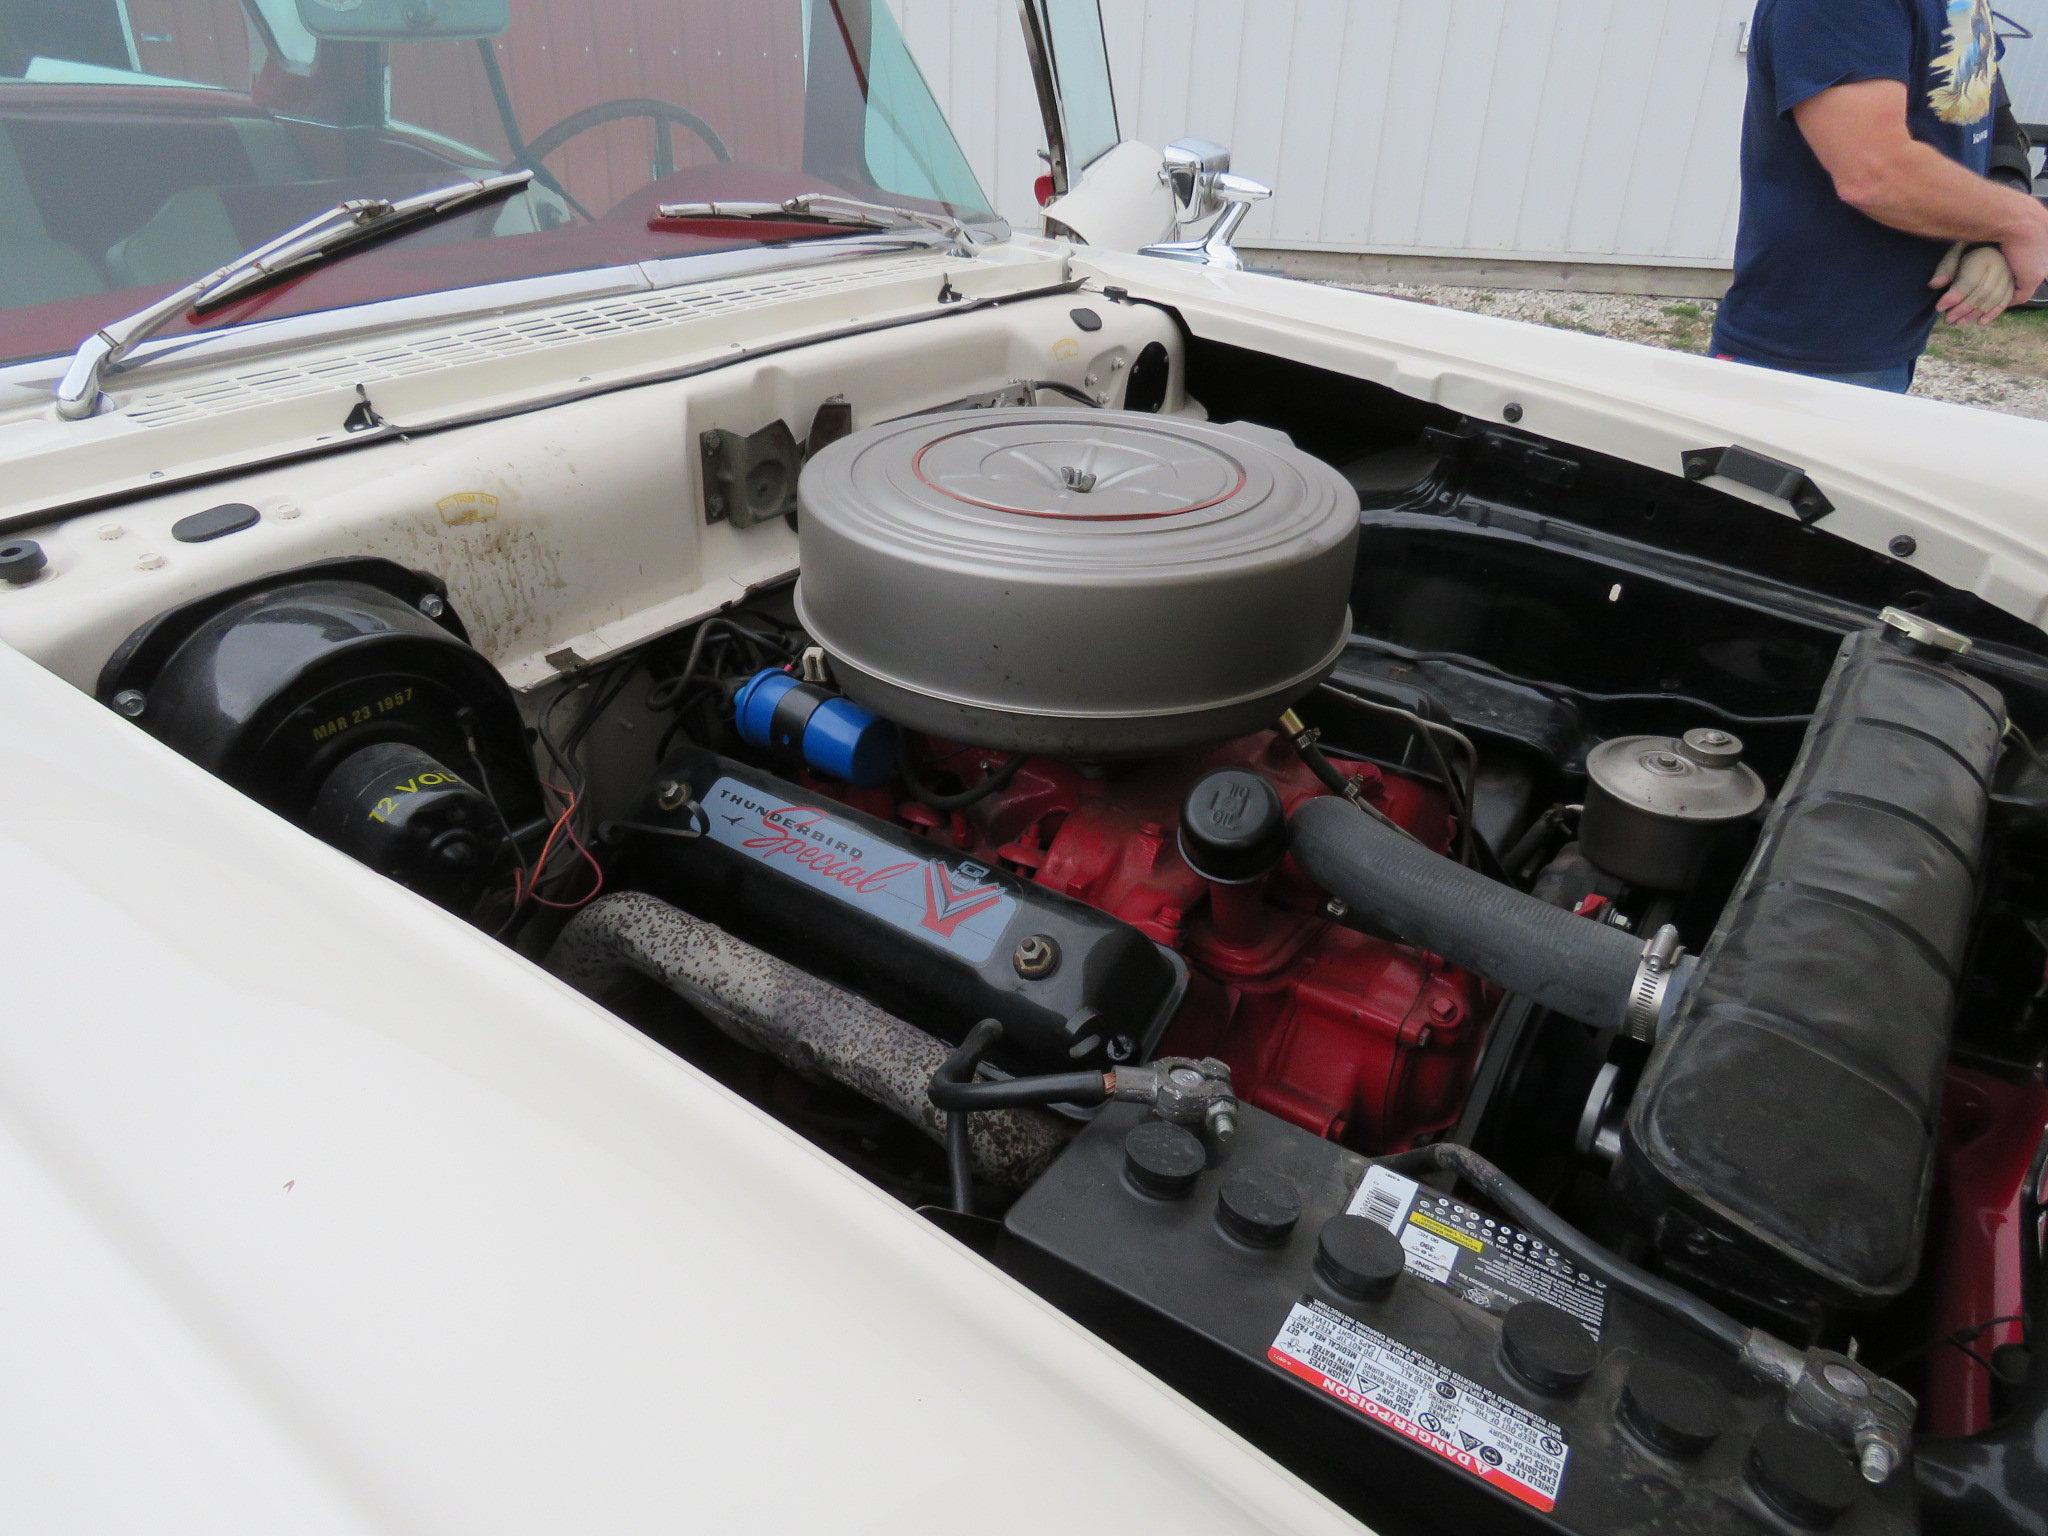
<point x="1163" y="1160"/>
<point x="1233" y="827"/>
<point x="1801" y="1475"/>
<point x="1547" y="1347"/>
<point x="1359" y="1257"/>
<point x="1257" y="1206"/>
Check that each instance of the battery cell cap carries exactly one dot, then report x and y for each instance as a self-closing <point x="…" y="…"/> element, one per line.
<point x="1671" y="1409"/>
<point x="1257" y="1206"/>
<point x="1801" y="1474"/>
<point x="1163" y="1160"/>
<point x="1359" y="1257"/>
<point x="1547" y="1347"/>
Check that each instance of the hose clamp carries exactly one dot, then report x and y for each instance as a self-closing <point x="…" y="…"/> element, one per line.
<point x="1649" y="993"/>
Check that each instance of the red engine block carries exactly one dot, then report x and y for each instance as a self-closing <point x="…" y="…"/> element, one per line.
<point x="1354" y="1038"/>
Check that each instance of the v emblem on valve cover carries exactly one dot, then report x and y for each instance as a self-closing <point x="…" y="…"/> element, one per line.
<point x="946" y="905"/>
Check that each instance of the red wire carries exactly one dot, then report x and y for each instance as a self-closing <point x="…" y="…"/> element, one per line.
<point x="596" y="881"/>
<point x="566" y="822"/>
<point x="563" y="822"/>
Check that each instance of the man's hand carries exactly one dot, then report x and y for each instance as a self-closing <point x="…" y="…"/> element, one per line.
<point x="1980" y="285"/>
<point x="2026" y="251"/>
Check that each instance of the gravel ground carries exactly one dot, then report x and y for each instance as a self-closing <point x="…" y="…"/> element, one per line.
<point x="2001" y="368"/>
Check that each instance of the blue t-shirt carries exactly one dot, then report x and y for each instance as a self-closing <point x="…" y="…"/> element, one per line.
<point x="1819" y="287"/>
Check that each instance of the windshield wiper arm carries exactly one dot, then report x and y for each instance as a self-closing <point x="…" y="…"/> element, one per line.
<point x="831" y="208"/>
<point x="321" y="238"/>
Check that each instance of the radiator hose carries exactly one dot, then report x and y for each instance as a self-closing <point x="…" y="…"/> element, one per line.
<point x="1586" y="970"/>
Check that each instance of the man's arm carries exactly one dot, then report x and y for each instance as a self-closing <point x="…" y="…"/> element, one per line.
<point x="1859" y="132"/>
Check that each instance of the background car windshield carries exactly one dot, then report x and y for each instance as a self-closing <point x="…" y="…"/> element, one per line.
<point x="144" y="142"/>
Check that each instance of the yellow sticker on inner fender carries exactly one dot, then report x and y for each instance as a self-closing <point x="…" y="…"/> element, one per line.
<point x="467" y="507"/>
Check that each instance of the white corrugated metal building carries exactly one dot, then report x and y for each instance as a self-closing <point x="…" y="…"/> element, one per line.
<point x="1557" y="132"/>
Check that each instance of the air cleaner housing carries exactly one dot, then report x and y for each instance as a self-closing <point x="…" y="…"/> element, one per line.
<point x="1076" y="582"/>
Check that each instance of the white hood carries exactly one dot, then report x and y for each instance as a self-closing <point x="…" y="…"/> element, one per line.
<point x="325" y="1213"/>
<point x="1966" y="485"/>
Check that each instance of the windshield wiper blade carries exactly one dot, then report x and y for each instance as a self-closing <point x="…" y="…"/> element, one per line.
<point x="321" y="238"/>
<point x="844" y="212"/>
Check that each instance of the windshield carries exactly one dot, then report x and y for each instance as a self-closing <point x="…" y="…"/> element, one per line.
<point x="145" y="142"/>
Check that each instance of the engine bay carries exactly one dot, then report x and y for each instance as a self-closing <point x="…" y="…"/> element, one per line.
<point x="1389" y="920"/>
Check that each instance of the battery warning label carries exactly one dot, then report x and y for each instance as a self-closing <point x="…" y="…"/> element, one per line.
<point x="1488" y="1262"/>
<point x="1497" y="1441"/>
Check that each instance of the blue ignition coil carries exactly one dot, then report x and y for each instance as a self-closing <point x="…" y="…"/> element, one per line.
<point x="782" y="713"/>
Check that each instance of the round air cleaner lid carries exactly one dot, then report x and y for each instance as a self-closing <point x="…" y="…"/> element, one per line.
<point x="1079" y="582"/>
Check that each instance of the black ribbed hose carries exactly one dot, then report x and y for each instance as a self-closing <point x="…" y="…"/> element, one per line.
<point x="1585" y="970"/>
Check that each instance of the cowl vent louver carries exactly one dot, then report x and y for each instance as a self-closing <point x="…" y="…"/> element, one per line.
<point x="492" y="340"/>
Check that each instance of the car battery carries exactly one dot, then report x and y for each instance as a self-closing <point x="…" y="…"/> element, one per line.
<point x="1419" y="1359"/>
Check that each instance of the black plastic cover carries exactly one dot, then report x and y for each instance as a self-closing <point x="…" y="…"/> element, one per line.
<point x="923" y="930"/>
<point x="1786" y="1119"/>
<point x="270" y="685"/>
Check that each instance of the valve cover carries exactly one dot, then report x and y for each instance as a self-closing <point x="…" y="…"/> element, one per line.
<point x="1075" y="582"/>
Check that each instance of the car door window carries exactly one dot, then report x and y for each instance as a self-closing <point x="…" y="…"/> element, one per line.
<point x="1080" y="60"/>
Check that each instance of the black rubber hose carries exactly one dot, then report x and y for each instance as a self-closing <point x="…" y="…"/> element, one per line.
<point x="953" y="1086"/>
<point x="1660" y="1295"/>
<point x="1320" y="765"/>
<point x="954" y="1090"/>
<point x="959" y="1165"/>
<point x="1583" y="969"/>
<point x="974" y="794"/>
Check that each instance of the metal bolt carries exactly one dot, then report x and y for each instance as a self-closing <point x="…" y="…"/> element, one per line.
<point x="130" y="702"/>
<point x="671" y="795"/>
<point x="1037" y="956"/>
<point x="1336" y="909"/>
<point x="1845" y="1380"/>
<point x="1876" y="1462"/>
<point x="1186" y="1077"/>
<point x="1121" y="1048"/>
<point x="1075" y="478"/>
<point x="1222" y="1125"/>
<point x="433" y="606"/>
<point x="1443" y="1009"/>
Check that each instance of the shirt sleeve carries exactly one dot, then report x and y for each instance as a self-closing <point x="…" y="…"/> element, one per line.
<point x="1816" y="45"/>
